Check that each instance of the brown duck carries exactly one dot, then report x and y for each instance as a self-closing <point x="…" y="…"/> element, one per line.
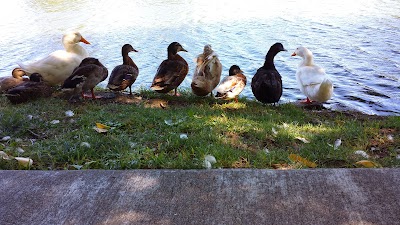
<point x="86" y="76"/>
<point x="171" y="71"/>
<point x="123" y="76"/>
<point x="29" y="90"/>
<point x="10" y="82"/>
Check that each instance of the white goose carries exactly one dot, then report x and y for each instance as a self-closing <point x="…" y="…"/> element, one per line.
<point x="312" y="79"/>
<point x="59" y="65"/>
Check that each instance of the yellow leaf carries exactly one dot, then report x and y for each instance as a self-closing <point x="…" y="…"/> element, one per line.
<point x="102" y="126"/>
<point x="367" y="164"/>
<point x="100" y="130"/>
<point x="303" y="161"/>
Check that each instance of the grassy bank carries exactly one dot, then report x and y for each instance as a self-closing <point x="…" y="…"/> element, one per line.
<point x="162" y="131"/>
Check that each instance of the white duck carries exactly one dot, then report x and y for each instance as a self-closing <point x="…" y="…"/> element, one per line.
<point x="312" y="79"/>
<point x="59" y="65"/>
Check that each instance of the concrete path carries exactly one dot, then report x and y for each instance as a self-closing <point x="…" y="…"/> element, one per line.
<point x="321" y="196"/>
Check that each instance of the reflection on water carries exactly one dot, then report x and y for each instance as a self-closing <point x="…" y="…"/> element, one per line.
<point x="356" y="42"/>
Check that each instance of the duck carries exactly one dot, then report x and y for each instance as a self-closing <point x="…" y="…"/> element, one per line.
<point x="29" y="90"/>
<point x="58" y="65"/>
<point x="207" y="73"/>
<point x="314" y="83"/>
<point x="266" y="84"/>
<point x="172" y="71"/>
<point x="123" y="76"/>
<point x="12" y="81"/>
<point x="231" y="86"/>
<point x="85" y="77"/>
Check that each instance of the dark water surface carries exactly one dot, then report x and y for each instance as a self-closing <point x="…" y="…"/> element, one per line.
<point x="357" y="42"/>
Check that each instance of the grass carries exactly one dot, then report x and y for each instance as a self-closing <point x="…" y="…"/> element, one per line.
<point x="146" y="134"/>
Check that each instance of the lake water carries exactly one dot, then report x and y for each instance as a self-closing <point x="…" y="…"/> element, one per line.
<point x="357" y="42"/>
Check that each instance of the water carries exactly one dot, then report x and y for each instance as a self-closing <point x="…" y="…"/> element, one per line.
<point x="357" y="42"/>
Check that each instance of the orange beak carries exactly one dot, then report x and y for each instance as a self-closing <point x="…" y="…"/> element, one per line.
<point x="84" y="41"/>
<point x="294" y="54"/>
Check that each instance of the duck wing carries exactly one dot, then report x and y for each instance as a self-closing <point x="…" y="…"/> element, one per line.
<point x="170" y="75"/>
<point x="310" y="75"/>
<point x="122" y="76"/>
<point x="230" y="84"/>
<point x="80" y="75"/>
<point x="28" y="91"/>
<point x="54" y="68"/>
<point x="267" y="85"/>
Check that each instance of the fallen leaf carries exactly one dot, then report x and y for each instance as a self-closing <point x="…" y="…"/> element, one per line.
<point x="303" y="161"/>
<point x="367" y="164"/>
<point x="102" y="126"/>
<point x="303" y="140"/>
<point x="281" y="166"/>
<point x="242" y="163"/>
<point x="25" y="162"/>
<point x="100" y="130"/>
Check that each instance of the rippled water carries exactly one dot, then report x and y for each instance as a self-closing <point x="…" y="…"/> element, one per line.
<point x="357" y="42"/>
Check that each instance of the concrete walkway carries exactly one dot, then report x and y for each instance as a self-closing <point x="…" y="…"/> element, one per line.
<point x="320" y="196"/>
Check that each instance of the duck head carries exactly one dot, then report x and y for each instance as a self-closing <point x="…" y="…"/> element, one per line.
<point x="127" y="48"/>
<point x="175" y="47"/>
<point x="36" y="77"/>
<point x="73" y="38"/>
<point x="302" y="52"/>
<point x="235" y="69"/>
<point x="277" y="47"/>
<point x="18" y="73"/>
<point x="90" y="60"/>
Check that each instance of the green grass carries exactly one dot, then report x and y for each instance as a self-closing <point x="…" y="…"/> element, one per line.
<point x="236" y="134"/>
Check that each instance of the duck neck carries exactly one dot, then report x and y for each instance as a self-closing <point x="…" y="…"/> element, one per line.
<point x="172" y="55"/>
<point x="76" y="48"/>
<point x="307" y="60"/>
<point x="269" y="60"/>
<point x="128" y="61"/>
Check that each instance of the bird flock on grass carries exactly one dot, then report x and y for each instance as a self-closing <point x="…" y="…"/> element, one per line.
<point x="76" y="73"/>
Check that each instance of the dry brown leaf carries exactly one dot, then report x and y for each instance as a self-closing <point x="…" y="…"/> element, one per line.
<point x="303" y="161"/>
<point x="242" y="163"/>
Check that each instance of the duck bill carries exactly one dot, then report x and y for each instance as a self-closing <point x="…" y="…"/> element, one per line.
<point x="84" y="41"/>
<point x="134" y="50"/>
<point x="183" y="50"/>
<point x="294" y="54"/>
